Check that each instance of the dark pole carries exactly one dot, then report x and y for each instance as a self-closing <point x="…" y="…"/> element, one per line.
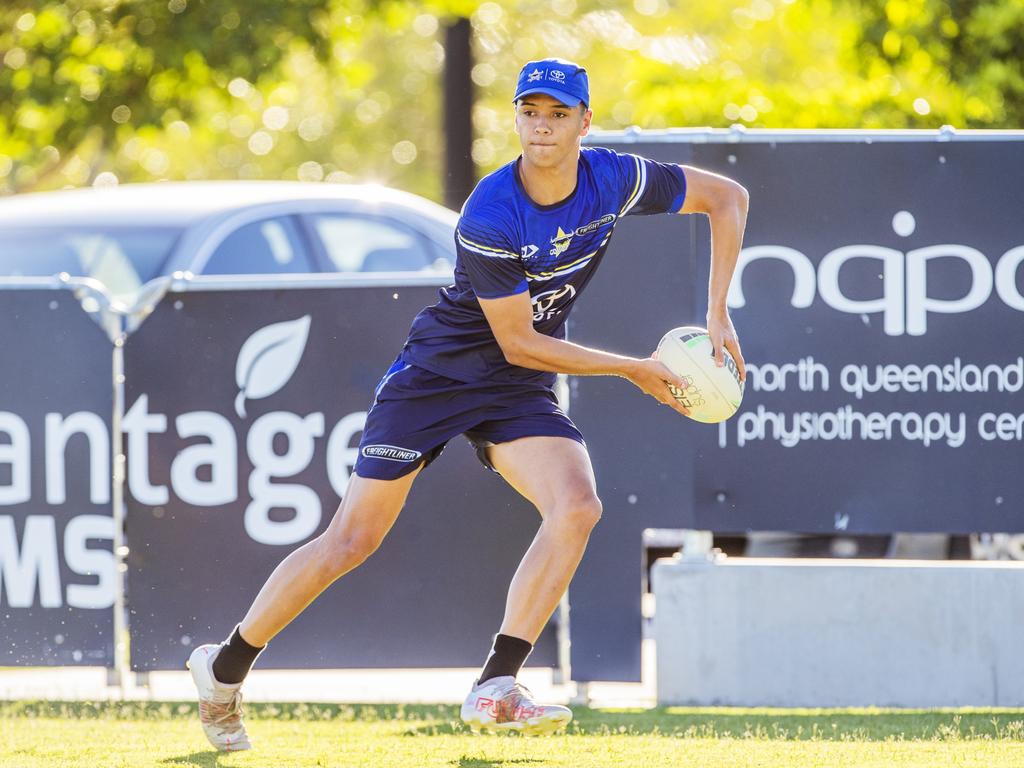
<point x="459" y="173"/>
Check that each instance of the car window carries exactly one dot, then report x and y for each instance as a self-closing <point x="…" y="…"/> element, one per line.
<point x="266" y="247"/>
<point x="443" y="258"/>
<point x="121" y="258"/>
<point x="369" y="244"/>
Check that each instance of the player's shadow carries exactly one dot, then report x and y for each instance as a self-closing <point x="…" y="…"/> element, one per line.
<point x="205" y="759"/>
<point x="483" y="762"/>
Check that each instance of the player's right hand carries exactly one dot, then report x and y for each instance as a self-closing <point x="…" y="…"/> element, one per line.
<point x="654" y="377"/>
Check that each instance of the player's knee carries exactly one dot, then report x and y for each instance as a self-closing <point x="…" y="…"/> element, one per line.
<point x="343" y="552"/>
<point x="578" y="511"/>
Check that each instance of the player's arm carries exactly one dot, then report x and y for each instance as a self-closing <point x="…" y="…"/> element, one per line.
<point x="511" y="321"/>
<point x="725" y="202"/>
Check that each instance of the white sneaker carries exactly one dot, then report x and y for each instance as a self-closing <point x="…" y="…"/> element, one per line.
<point x="503" y="704"/>
<point x="220" y="705"/>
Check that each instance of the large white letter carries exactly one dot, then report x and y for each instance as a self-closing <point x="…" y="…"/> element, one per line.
<point x="1006" y="278"/>
<point x="267" y="464"/>
<point x="803" y="274"/>
<point x="37" y="562"/>
<point x="220" y="454"/>
<point x="919" y="304"/>
<point x="17" y="455"/>
<point x="138" y="423"/>
<point x="90" y="562"/>
<point x="58" y="430"/>
<point x="341" y="454"/>
<point x="891" y="301"/>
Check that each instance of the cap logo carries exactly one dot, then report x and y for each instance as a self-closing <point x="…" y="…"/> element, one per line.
<point x="554" y="77"/>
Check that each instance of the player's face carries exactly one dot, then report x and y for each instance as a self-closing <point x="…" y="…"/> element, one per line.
<point x="549" y="131"/>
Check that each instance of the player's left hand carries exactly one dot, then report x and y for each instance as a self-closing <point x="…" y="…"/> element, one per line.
<point x="722" y="334"/>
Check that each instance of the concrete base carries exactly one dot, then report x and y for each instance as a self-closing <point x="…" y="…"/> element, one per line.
<point x="827" y="633"/>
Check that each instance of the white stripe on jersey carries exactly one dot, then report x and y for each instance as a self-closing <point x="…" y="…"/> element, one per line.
<point x="572" y="267"/>
<point x="484" y="250"/>
<point x="549" y="275"/>
<point x="641" y="170"/>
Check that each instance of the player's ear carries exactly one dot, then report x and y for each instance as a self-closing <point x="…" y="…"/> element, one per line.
<point x="588" y="115"/>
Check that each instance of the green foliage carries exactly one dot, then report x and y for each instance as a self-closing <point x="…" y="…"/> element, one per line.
<point x="97" y="73"/>
<point x="95" y="91"/>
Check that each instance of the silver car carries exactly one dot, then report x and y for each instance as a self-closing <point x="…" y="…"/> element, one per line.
<point x="125" y="236"/>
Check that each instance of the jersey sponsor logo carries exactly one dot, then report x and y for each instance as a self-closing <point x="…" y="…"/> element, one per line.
<point x="391" y="453"/>
<point x="544" y="304"/>
<point x="528" y="251"/>
<point x="596" y="224"/>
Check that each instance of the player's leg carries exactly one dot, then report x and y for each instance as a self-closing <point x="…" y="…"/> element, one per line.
<point x="365" y="515"/>
<point x="412" y="417"/>
<point x="555" y="474"/>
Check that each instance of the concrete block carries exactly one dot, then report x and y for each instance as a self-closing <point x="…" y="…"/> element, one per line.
<point x="776" y="632"/>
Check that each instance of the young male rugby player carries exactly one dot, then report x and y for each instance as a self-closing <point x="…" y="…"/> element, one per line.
<point x="482" y="362"/>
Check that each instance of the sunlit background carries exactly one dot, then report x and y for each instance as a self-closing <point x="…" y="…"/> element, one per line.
<point x="101" y="92"/>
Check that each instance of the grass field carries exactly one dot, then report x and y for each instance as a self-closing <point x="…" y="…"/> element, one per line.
<point x="167" y="735"/>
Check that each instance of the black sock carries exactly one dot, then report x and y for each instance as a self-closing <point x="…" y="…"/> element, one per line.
<point x="235" y="659"/>
<point x="507" y="656"/>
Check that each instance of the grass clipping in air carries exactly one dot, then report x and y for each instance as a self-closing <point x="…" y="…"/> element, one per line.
<point x="167" y="735"/>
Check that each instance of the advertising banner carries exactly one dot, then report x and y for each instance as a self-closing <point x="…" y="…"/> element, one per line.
<point x="879" y="299"/>
<point x="244" y="410"/>
<point x="57" y="570"/>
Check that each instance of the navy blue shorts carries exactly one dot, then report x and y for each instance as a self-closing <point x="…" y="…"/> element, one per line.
<point x="416" y="412"/>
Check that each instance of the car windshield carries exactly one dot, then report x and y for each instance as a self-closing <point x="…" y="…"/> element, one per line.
<point x="122" y="258"/>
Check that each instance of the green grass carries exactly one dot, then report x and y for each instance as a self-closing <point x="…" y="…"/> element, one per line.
<point x="167" y="735"/>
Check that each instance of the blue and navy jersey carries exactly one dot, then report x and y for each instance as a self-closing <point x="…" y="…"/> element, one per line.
<point x="508" y="244"/>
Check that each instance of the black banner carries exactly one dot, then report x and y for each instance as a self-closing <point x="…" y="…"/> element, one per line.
<point x="244" y="410"/>
<point x="57" y="570"/>
<point x="881" y="317"/>
<point x="879" y="297"/>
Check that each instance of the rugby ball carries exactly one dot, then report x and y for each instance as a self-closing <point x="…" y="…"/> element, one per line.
<point x="712" y="394"/>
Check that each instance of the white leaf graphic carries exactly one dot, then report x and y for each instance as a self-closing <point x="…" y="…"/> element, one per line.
<point x="268" y="359"/>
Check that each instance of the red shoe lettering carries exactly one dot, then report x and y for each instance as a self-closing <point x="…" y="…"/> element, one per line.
<point x="483" y="704"/>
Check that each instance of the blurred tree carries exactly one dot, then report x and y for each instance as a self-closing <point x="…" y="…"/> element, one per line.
<point x="96" y="91"/>
<point x="93" y="73"/>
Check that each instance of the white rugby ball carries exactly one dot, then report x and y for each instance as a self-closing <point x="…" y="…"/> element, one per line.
<point x="712" y="394"/>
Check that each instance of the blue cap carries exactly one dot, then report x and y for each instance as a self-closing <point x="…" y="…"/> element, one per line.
<point x="556" y="77"/>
